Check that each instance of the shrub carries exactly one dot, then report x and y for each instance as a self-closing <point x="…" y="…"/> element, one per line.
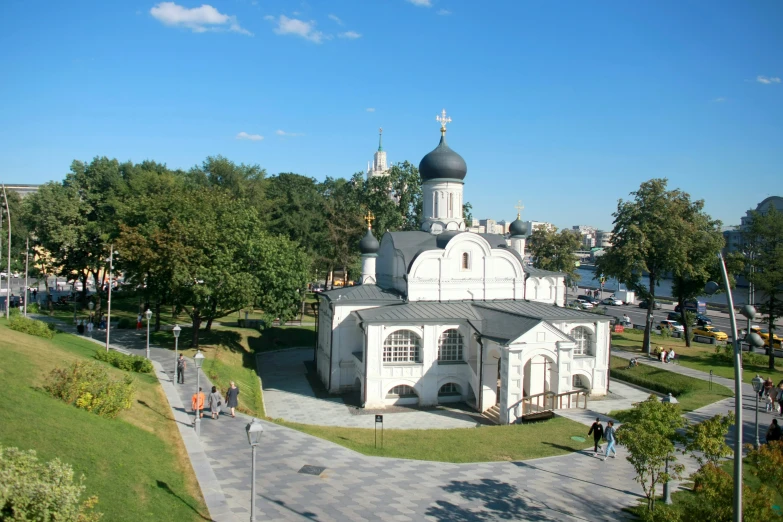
<point x="130" y="363"/>
<point x="33" y="308"/>
<point x="88" y="386"/>
<point x="31" y="326"/>
<point x="45" y="491"/>
<point x="629" y="376"/>
<point x="125" y="323"/>
<point x="725" y="353"/>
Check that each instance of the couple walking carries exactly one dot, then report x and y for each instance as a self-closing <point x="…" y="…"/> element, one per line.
<point x="214" y="401"/>
<point x="608" y="434"/>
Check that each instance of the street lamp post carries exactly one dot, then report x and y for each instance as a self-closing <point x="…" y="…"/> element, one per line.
<point x="108" y="309"/>
<point x="752" y="338"/>
<point x="667" y="496"/>
<point x="148" y="314"/>
<point x="198" y="359"/>
<point x="26" y="271"/>
<point x="91" y="306"/>
<point x="758" y="385"/>
<point x="254" y="431"/>
<point x="8" y="272"/>
<point x="176" y="330"/>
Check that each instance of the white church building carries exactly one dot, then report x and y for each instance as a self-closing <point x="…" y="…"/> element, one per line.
<point x="444" y="315"/>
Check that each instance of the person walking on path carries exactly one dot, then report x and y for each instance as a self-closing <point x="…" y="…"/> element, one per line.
<point x="197" y="404"/>
<point x="780" y="397"/>
<point x="610" y="440"/>
<point x="773" y="432"/>
<point x="597" y="431"/>
<point x="181" y="364"/>
<point x="232" y="398"/>
<point x="214" y="401"/>
<point x="138" y="322"/>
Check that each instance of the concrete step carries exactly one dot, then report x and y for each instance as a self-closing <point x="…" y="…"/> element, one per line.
<point x="492" y="414"/>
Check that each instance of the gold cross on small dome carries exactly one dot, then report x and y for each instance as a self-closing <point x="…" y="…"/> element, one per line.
<point x="443" y="120"/>
<point x="369" y="217"/>
<point x="520" y="207"/>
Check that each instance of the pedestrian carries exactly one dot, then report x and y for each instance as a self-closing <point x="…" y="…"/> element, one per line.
<point x="102" y="325"/>
<point x="780" y="397"/>
<point x="35" y="294"/>
<point x="769" y="400"/>
<point x="610" y="440"/>
<point x="215" y="401"/>
<point x="768" y="385"/>
<point x="761" y="391"/>
<point x="138" y="322"/>
<point x="773" y="432"/>
<point x="197" y="404"/>
<point x="181" y="363"/>
<point x="89" y="327"/>
<point x="663" y="356"/>
<point x="232" y="398"/>
<point x="597" y="430"/>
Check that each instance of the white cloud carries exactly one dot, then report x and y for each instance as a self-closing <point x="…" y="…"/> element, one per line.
<point x="421" y="3"/>
<point x="269" y="18"/>
<point x="251" y="137"/>
<point x="767" y="79"/>
<point x="335" y="19"/>
<point x="719" y="99"/>
<point x="197" y="19"/>
<point x="351" y="35"/>
<point x="370" y="109"/>
<point x="444" y="12"/>
<point x="289" y="134"/>
<point x="300" y="28"/>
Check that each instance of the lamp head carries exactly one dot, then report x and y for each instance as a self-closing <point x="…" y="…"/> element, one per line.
<point x="757" y="382"/>
<point x="748" y="311"/>
<point x="711" y="288"/>
<point x="198" y="359"/>
<point x="176" y="330"/>
<point x="148" y="313"/>
<point x="254" y="430"/>
<point x="754" y="340"/>
<point x="90" y="305"/>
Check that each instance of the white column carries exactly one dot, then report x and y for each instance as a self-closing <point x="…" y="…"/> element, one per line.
<point x="368" y="268"/>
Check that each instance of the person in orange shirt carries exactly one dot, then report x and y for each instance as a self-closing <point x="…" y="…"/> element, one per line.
<point x="197" y="403"/>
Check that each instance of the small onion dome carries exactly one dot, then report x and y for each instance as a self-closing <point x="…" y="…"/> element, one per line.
<point x="442" y="163"/>
<point x="517" y="228"/>
<point x="368" y="244"/>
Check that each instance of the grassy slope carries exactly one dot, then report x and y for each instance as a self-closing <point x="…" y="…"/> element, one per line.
<point x="698" y="356"/>
<point x="136" y="464"/>
<point x="484" y="444"/>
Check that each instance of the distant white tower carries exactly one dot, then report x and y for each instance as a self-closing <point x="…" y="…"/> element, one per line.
<point x="378" y="167"/>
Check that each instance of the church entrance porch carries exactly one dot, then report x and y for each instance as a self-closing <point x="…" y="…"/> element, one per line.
<point x="529" y="384"/>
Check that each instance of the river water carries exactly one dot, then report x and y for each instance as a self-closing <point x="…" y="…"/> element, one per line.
<point x="664" y="289"/>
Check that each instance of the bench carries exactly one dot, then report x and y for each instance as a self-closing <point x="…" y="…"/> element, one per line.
<point x="537" y="416"/>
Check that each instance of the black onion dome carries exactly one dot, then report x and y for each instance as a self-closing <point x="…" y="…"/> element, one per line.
<point x="368" y="244"/>
<point x="442" y="163"/>
<point x="517" y="228"/>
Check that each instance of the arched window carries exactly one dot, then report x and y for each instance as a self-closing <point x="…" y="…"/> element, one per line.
<point x="583" y="339"/>
<point x="401" y="391"/>
<point x="577" y="381"/>
<point x="435" y="204"/>
<point x="449" y="389"/>
<point x="451" y="204"/>
<point x="465" y="261"/>
<point x="450" y="346"/>
<point x="402" y="346"/>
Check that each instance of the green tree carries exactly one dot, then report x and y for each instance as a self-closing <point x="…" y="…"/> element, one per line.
<point x="764" y="242"/>
<point x="553" y="250"/>
<point x="467" y="213"/>
<point x="706" y="440"/>
<point x="247" y="182"/>
<point x="19" y="232"/>
<point x="649" y="435"/>
<point x="343" y="222"/>
<point x="649" y="236"/>
<point x="296" y="210"/>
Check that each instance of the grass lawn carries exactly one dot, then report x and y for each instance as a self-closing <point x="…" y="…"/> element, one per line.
<point x="699" y="356"/>
<point x="483" y="444"/>
<point x="135" y="464"/>
<point x="696" y="392"/>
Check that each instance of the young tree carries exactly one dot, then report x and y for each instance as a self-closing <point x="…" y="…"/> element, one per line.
<point x="764" y="241"/>
<point x="706" y="441"/>
<point x="649" y="435"/>
<point x="650" y="236"/>
<point x="553" y="250"/>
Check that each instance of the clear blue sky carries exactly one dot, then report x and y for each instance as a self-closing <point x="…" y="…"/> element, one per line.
<point x="567" y="106"/>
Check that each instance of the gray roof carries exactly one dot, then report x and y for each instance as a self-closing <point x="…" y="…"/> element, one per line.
<point x="502" y="325"/>
<point x="420" y="311"/>
<point x="366" y="293"/>
<point x="543" y="311"/>
<point x="442" y="163"/>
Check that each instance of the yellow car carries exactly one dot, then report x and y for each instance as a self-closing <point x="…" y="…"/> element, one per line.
<point x="764" y="334"/>
<point x="709" y="331"/>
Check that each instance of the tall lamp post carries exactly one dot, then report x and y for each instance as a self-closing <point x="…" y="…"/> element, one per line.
<point x="91" y="306"/>
<point x="198" y="359"/>
<point x="26" y="271"/>
<point x="254" y="431"/>
<point x="176" y="330"/>
<point x="752" y="339"/>
<point x="758" y="385"/>
<point x="8" y="272"/>
<point x="667" y="495"/>
<point x="108" y="311"/>
<point x="148" y="314"/>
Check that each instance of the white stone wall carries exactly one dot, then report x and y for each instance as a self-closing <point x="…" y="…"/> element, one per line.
<point x="442" y="204"/>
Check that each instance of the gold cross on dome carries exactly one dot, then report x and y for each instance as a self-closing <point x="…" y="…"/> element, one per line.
<point x="443" y="120"/>
<point x="369" y="218"/>
<point x="520" y="207"/>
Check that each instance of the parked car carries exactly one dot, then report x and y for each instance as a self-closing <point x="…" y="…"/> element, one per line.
<point x="584" y="305"/>
<point x="709" y="331"/>
<point x="656" y="305"/>
<point x="698" y="319"/>
<point x="613" y="301"/>
<point x="764" y="334"/>
<point x="674" y="326"/>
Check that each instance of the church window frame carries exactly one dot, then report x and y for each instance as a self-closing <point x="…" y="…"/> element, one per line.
<point x="451" y="204"/>
<point x="465" y="261"/>
<point x="450" y="389"/>
<point x="583" y="338"/>
<point x="578" y="382"/>
<point x="401" y="391"/>
<point x="402" y="347"/>
<point x="451" y="346"/>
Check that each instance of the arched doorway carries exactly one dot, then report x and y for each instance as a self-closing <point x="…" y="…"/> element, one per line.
<point x="539" y="376"/>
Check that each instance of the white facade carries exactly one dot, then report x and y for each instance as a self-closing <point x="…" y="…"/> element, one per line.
<point x="378" y="167"/>
<point x="442" y="205"/>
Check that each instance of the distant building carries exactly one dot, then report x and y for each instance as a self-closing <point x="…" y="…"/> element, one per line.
<point x="733" y="235"/>
<point x="23" y="190"/>
<point x="603" y="239"/>
<point x="378" y="166"/>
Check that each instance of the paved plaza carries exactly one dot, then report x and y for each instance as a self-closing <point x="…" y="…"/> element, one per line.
<point x="349" y="486"/>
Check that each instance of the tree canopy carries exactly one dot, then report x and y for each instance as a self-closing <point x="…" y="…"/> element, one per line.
<point x="553" y="250"/>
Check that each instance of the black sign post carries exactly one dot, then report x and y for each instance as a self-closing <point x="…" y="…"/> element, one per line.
<point x="378" y="419"/>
